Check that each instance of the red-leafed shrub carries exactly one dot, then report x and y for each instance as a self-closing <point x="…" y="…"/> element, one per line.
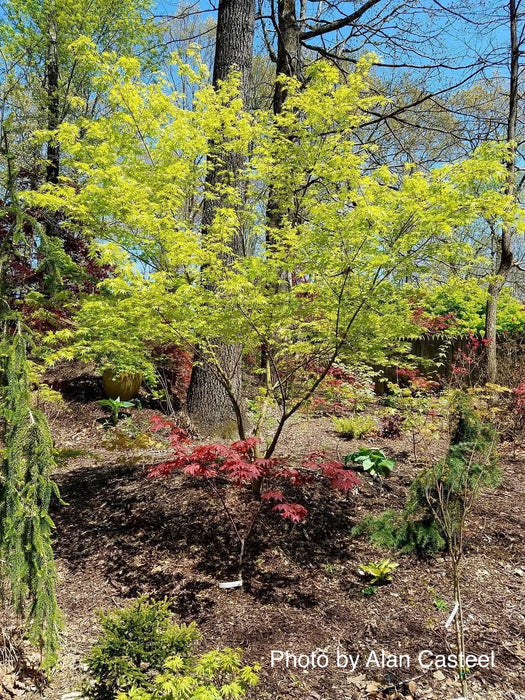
<point x="174" y="365"/>
<point x="412" y="378"/>
<point x="342" y="393"/>
<point x="468" y="361"/>
<point x="244" y="484"/>
<point x="391" y="425"/>
<point x="291" y="511"/>
<point x="433" y="324"/>
<point x="517" y="406"/>
<point x="44" y="275"/>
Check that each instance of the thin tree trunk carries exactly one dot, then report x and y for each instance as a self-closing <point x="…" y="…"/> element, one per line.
<point x="459" y="627"/>
<point x="209" y="402"/>
<point x="506" y="258"/>
<point x="6" y="245"/>
<point x="53" y="102"/>
<point x="289" y="65"/>
<point x="288" y="50"/>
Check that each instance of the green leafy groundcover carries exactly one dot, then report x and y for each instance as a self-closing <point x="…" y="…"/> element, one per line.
<point x="371" y="460"/>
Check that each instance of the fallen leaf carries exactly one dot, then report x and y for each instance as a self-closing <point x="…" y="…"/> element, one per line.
<point x="359" y="681"/>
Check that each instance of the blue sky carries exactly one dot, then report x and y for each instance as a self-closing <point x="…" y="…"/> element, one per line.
<point x="470" y="36"/>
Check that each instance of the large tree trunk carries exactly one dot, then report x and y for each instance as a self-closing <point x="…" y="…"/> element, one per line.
<point x="234" y="41"/>
<point x="505" y="258"/>
<point x="215" y="404"/>
<point x="214" y="401"/>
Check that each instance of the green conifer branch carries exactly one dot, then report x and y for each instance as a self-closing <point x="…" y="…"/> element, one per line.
<point x="26" y="489"/>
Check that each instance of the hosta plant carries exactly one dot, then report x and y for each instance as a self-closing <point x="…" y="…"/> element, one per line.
<point x="378" y="572"/>
<point x="371" y="460"/>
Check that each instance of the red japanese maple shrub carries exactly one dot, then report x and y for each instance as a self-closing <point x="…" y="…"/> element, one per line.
<point x="412" y="378"/>
<point x="468" y="360"/>
<point x="244" y="484"/>
<point x="342" y="392"/>
<point x="58" y="267"/>
<point x="433" y="324"/>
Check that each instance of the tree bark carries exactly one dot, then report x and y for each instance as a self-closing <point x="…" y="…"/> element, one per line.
<point x="289" y="66"/>
<point x="288" y="50"/>
<point x="506" y="258"/>
<point x="214" y="403"/>
<point x="53" y="101"/>
<point x="234" y="41"/>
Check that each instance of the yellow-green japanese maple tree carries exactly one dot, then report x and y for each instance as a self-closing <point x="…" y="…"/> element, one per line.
<point x="327" y="284"/>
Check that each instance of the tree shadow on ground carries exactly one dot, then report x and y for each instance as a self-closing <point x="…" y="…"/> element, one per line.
<point x="169" y="537"/>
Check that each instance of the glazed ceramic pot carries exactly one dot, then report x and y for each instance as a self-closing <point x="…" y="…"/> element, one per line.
<point x="121" y="385"/>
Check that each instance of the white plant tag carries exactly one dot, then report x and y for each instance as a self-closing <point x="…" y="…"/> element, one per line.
<point x="231" y="584"/>
<point x="452" y="614"/>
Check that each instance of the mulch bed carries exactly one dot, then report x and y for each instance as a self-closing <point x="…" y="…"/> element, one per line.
<point x="122" y="535"/>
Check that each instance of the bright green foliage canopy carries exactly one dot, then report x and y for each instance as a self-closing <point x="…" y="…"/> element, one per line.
<point x="29" y="30"/>
<point x="328" y="282"/>
<point x="39" y="38"/>
<point x="215" y="675"/>
<point x="467" y="299"/>
<point x="26" y="29"/>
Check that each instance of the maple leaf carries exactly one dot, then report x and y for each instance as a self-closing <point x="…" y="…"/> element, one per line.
<point x="240" y="469"/>
<point x="196" y="469"/>
<point x="345" y="480"/>
<point x="265" y="465"/>
<point x="210" y="453"/>
<point x="177" y="436"/>
<point x="163" y="469"/>
<point x="291" y="511"/>
<point x="340" y="478"/>
<point x="272" y="495"/>
<point x="330" y="468"/>
<point x="159" y="422"/>
<point x="244" y="447"/>
<point x="294" y="475"/>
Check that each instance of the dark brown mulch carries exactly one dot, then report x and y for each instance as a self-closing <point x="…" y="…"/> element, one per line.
<point x="122" y="535"/>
